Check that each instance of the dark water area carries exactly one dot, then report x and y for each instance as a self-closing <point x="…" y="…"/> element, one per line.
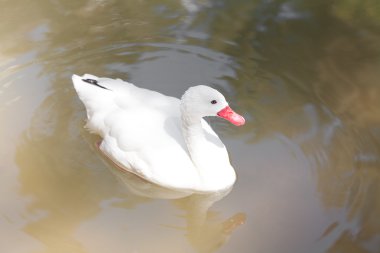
<point x="305" y="74"/>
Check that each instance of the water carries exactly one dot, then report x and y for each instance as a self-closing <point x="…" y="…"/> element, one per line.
<point x="304" y="74"/>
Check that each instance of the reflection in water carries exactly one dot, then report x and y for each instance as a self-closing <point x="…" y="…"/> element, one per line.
<point x="206" y="230"/>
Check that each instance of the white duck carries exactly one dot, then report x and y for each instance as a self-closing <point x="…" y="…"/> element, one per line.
<point x="160" y="138"/>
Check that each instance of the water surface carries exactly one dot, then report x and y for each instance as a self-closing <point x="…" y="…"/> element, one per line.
<point x="304" y="74"/>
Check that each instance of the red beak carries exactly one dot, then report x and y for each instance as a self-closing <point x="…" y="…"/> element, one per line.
<point x="228" y="114"/>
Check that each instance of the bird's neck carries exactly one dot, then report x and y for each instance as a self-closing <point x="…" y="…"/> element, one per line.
<point x="194" y="137"/>
<point x="210" y="158"/>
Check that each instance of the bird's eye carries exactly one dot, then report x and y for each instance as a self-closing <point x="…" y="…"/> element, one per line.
<point x="214" y="102"/>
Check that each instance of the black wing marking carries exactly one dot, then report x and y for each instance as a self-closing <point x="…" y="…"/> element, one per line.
<point x="94" y="82"/>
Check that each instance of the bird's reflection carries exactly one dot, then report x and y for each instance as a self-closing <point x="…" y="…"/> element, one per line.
<point x="206" y="230"/>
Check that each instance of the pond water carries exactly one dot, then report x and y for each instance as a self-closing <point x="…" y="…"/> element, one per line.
<point x="305" y="74"/>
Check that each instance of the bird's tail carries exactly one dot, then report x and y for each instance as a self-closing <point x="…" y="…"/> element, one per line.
<point x="96" y="98"/>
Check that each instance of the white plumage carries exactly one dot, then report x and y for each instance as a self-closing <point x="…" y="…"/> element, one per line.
<point x="160" y="138"/>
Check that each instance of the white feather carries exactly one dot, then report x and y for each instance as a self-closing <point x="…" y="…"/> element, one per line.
<point x="145" y="132"/>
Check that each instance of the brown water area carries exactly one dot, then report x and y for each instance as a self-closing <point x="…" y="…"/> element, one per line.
<point x="305" y="74"/>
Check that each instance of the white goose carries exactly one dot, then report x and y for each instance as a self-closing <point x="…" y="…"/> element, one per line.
<point x="160" y="138"/>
